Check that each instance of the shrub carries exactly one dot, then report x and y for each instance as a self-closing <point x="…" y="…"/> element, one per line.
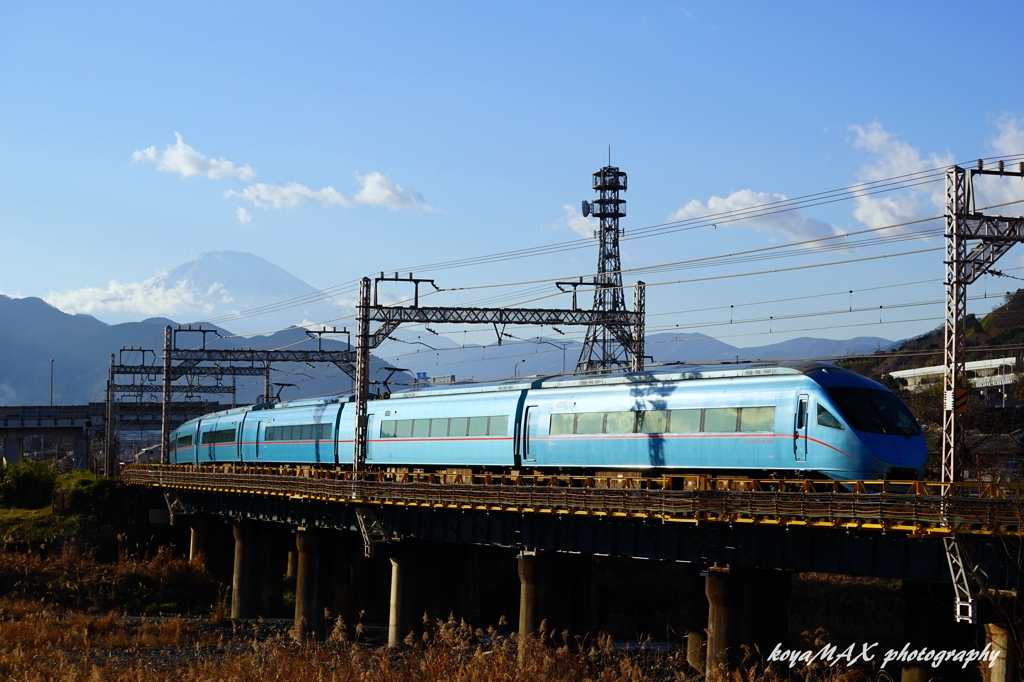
<point x="105" y="500"/>
<point x="27" y="485"/>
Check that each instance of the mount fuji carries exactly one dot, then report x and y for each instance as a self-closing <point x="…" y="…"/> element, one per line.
<point x="239" y="290"/>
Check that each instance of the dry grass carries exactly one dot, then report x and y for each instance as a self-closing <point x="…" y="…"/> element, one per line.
<point x="42" y="643"/>
<point x="64" y="616"/>
<point x="71" y="578"/>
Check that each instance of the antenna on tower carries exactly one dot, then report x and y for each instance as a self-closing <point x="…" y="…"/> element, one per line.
<point x="603" y="350"/>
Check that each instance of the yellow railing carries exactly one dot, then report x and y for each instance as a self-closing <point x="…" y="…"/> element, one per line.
<point x="917" y="507"/>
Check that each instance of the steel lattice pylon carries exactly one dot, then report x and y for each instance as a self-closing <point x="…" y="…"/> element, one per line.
<point x="602" y="349"/>
<point x="990" y="238"/>
<point x="956" y="311"/>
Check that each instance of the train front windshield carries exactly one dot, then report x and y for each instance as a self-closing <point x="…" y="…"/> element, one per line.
<point x="875" y="411"/>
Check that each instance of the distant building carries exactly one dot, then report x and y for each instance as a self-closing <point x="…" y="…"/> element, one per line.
<point x="983" y="374"/>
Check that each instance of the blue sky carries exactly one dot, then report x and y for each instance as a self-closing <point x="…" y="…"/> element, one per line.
<point x="339" y="139"/>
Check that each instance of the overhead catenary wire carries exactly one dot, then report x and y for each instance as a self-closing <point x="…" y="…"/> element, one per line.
<point x="769" y="208"/>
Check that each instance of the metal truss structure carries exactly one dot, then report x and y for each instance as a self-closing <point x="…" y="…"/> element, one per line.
<point x="987" y="238"/>
<point x="974" y="242"/>
<point x="186" y="364"/>
<point x="627" y="328"/>
<point x="607" y="346"/>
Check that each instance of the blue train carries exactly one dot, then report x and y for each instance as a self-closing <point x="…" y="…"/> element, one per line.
<point x="786" y="420"/>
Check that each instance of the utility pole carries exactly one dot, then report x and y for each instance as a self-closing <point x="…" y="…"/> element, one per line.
<point x="602" y="349"/>
<point x="165" y="408"/>
<point x="108" y="423"/>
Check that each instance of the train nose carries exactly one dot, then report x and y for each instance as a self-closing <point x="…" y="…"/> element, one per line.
<point x="883" y="446"/>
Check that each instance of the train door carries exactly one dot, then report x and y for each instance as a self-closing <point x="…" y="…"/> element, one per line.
<point x="800" y="428"/>
<point x="337" y="434"/>
<point x="240" y="438"/>
<point x="256" y="440"/>
<point x="529" y="431"/>
<point x="206" y="442"/>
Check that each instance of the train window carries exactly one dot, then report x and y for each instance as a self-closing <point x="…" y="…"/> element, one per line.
<point x="653" y="421"/>
<point x="590" y="422"/>
<point x="619" y="422"/>
<point x="438" y="428"/>
<point x="498" y="426"/>
<point x="562" y="424"/>
<point x="185" y="441"/>
<point x="420" y="428"/>
<point x="757" y="419"/>
<point x="307" y="432"/>
<point x="874" y="411"/>
<point x="324" y="431"/>
<point x="387" y="428"/>
<point x="826" y="418"/>
<point x="403" y="428"/>
<point x="458" y="426"/>
<point x="478" y="426"/>
<point x="720" y="419"/>
<point x="221" y="436"/>
<point x="685" y="421"/>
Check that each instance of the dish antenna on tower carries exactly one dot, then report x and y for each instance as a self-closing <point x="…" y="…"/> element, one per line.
<point x="586" y="208"/>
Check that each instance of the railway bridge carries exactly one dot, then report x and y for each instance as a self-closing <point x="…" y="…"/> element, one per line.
<point x="742" y="539"/>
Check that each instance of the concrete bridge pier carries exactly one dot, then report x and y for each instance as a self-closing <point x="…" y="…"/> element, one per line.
<point x="13" y="448"/>
<point x="717" y="587"/>
<point x="528" y="623"/>
<point x="292" y="562"/>
<point x="1000" y="638"/>
<point x="308" y="615"/>
<point x="242" y="604"/>
<point x="697" y="621"/>
<point x="395" y="605"/>
<point x="196" y="524"/>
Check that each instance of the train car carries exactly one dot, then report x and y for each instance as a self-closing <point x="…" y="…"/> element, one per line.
<point x="810" y="420"/>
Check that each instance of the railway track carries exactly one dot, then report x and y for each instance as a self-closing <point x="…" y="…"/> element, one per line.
<point x="913" y="507"/>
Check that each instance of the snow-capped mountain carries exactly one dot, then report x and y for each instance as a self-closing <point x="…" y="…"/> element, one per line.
<point x="240" y="291"/>
<point x="228" y="285"/>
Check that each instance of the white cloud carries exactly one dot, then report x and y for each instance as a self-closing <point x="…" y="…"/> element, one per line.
<point x="378" y="190"/>
<point x="791" y="223"/>
<point x="186" y="161"/>
<point x="895" y="158"/>
<point x="150" y="298"/>
<point x="244" y="216"/>
<point x="584" y="227"/>
<point x="263" y="195"/>
<point x="1011" y="136"/>
<point x="990" y="190"/>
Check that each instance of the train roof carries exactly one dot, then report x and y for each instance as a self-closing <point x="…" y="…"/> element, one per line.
<point x="832" y="376"/>
<point x="569" y="381"/>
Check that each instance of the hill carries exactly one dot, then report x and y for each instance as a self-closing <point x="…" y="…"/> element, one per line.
<point x="33" y="332"/>
<point x="1000" y="333"/>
